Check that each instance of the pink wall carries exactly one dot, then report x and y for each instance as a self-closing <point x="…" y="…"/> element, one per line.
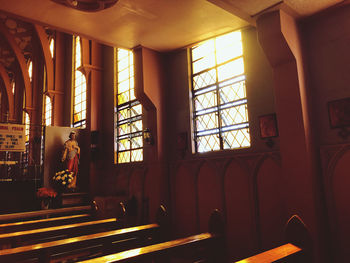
<point x="271" y="204"/>
<point x="240" y="211"/>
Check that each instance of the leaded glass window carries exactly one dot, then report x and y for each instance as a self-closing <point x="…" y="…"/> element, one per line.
<point x="25" y="155"/>
<point x="128" y="129"/>
<point x="220" y="115"/>
<point x="79" y="87"/>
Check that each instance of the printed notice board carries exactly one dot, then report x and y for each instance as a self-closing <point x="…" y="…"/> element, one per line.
<point x="12" y="137"/>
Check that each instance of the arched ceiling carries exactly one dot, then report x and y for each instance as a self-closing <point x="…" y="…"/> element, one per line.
<point x="22" y="33"/>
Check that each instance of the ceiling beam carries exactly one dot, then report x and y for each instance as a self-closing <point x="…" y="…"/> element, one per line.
<point x="229" y="7"/>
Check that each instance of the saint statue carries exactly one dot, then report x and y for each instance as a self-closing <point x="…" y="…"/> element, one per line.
<point x="70" y="157"/>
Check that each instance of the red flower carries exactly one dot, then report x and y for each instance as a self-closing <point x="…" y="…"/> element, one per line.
<point x="46" y="193"/>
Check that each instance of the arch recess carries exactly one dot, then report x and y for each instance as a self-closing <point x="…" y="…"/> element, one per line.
<point x="10" y="97"/>
<point x="22" y="64"/>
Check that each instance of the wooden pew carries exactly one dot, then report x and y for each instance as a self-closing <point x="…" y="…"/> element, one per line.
<point x="15" y="239"/>
<point x="284" y="252"/>
<point x="32" y="215"/>
<point x="297" y="250"/>
<point x="104" y="240"/>
<point x="89" y="245"/>
<point x="204" y="247"/>
<point x="40" y="223"/>
<point x="46" y="218"/>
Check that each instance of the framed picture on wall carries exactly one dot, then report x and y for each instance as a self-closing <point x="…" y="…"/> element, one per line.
<point x="268" y="126"/>
<point x="339" y="113"/>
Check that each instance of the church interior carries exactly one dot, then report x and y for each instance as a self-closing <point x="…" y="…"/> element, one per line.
<point x="220" y="128"/>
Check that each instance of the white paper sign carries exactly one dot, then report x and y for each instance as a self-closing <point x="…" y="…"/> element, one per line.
<point x="12" y="137"/>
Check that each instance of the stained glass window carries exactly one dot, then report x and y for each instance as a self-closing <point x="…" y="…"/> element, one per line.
<point x="30" y="69"/>
<point x="47" y="111"/>
<point x="27" y="125"/>
<point x="52" y="47"/>
<point x="79" y="87"/>
<point x="128" y="129"/>
<point x="220" y="115"/>
<point x="25" y="155"/>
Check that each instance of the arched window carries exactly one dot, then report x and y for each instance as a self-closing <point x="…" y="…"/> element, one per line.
<point x="79" y="87"/>
<point x="25" y="155"/>
<point x="52" y="47"/>
<point x="128" y="132"/>
<point x="27" y="125"/>
<point x="47" y="111"/>
<point x="220" y="114"/>
<point x="30" y="69"/>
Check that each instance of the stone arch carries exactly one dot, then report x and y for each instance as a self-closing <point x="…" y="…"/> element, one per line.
<point x="22" y="64"/>
<point x="10" y="97"/>
<point x="45" y="47"/>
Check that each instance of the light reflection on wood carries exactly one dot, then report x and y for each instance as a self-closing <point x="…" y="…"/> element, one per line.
<point x="134" y="253"/>
<point x="31" y="214"/>
<point x="57" y="228"/>
<point x="273" y="254"/>
<point x="85" y="238"/>
<point x="43" y="220"/>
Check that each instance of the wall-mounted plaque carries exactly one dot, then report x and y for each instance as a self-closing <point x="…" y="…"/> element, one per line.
<point x="12" y="137"/>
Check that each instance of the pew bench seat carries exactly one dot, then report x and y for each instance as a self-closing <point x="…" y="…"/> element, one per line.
<point x="274" y="255"/>
<point x="14" y="239"/>
<point x="44" y="251"/>
<point x="40" y="223"/>
<point x="16" y="217"/>
<point x="157" y="250"/>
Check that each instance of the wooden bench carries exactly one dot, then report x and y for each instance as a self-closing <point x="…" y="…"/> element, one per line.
<point x="24" y="216"/>
<point x="40" y="223"/>
<point x="297" y="250"/>
<point x="88" y="245"/>
<point x="206" y="247"/>
<point x="104" y="240"/>
<point x="15" y="239"/>
<point x="284" y="252"/>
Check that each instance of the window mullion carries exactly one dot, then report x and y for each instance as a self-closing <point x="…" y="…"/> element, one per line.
<point x="218" y="98"/>
<point x="194" y="110"/>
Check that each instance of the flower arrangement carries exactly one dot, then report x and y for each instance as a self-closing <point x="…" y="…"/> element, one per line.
<point x="63" y="178"/>
<point x="46" y="193"/>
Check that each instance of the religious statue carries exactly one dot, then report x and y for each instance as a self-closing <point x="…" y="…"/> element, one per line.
<point x="71" y="155"/>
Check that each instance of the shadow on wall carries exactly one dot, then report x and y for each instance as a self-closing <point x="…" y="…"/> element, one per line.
<point x="246" y="190"/>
